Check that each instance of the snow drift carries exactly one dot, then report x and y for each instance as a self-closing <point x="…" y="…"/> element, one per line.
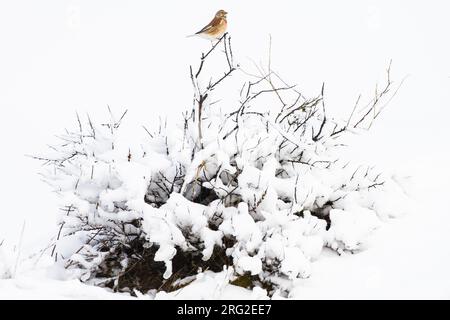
<point x="258" y="187"/>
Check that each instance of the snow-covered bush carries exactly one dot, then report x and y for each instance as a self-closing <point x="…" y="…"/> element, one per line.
<point x="259" y="185"/>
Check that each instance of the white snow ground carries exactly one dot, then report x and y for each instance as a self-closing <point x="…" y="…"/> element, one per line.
<point x="406" y="258"/>
<point x="62" y="56"/>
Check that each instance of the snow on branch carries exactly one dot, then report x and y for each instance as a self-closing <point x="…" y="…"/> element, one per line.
<point x="259" y="186"/>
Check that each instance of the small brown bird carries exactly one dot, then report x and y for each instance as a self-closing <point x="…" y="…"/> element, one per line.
<point x="216" y="28"/>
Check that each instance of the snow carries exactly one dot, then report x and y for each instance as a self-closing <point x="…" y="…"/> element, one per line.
<point x="251" y="264"/>
<point x="352" y="227"/>
<point x="210" y="285"/>
<point x="295" y="263"/>
<point x="405" y="257"/>
<point x="6" y="264"/>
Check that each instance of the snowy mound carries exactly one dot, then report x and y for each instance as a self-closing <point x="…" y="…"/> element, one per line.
<point x="259" y="190"/>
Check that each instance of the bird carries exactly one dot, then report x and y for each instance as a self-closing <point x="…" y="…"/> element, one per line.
<point x="215" y="29"/>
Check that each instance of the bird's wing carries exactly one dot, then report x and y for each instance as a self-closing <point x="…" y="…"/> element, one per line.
<point x="209" y="25"/>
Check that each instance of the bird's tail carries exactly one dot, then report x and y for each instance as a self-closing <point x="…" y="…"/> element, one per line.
<point x="191" y="35"/>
